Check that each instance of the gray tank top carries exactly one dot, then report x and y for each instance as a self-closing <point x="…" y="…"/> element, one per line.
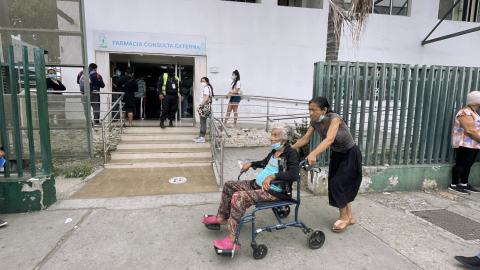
<point x="343" y="141"/>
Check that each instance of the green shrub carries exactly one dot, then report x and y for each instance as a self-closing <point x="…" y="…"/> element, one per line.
<point x="77" y="171"/>
<point x="302" y="129"/>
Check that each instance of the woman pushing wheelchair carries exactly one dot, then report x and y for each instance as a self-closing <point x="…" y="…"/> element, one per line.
<point x="345" y="169"/>
<point x="282" y="163"/>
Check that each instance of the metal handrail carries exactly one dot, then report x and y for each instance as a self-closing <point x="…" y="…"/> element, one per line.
<point x="108" y="125"/>
<point x="290" y="100"/>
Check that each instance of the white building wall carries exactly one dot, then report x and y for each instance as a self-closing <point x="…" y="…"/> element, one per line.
<point x="274" y="47"/>
<point x="397" y="39"/>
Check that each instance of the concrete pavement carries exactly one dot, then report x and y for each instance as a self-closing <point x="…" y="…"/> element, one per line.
<point x="165" y="232"/>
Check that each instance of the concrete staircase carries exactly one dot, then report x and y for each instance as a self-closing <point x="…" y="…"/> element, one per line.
<point x="153" y="147"/>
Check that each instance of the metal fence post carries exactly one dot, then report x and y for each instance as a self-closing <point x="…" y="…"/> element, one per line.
<point x="3" y="131"/>
<point x="28" y="109"/>
<point x="121" y="116"/>
<point x="222" y="157"/>
<point x="43" y="121"/>
<point x="104" y="144"/>
<point x="16" y="124"/>
<point x="268" y="113"/>
<point x="221" y="109"/>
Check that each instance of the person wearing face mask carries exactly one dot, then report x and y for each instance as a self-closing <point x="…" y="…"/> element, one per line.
<point x="204" y="109"/>
<point x="168" y="91"/>
<point x="345" y="168"/>
<point x="53" y="83"/>
<point x="282" y="163"/>
<point x="234" y="92"/>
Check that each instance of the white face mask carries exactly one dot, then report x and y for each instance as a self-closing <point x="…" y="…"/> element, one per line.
<point x="204" y="84"/>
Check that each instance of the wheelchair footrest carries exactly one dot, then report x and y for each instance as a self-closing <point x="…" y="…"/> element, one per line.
<point x="224" y="252"/>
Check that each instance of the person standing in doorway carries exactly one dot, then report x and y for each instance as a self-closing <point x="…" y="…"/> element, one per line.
<point x="235" y="99"/>
<point x="205" y="108"/>
<point x="345" y="169"/>
<point x="466" y="141"/>
<point x="96" y="83"/>
<point x="140" y="98"/>
<point x="2" y="154"/>
<point x="117" y="74"/>
<point x="129" y="86"/>
<point x="169" y="92"/>
<point x="53" y="83"/>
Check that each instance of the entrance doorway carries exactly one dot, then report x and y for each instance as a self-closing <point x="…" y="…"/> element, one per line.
<point x="152" y="68"/>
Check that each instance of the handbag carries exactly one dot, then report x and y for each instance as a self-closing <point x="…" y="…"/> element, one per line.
<point x="241" y="94"/>
<point x="206" y="109"/>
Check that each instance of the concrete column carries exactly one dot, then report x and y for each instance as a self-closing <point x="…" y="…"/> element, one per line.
<point x="102" y="59"/>
<point x="199" y="72"/>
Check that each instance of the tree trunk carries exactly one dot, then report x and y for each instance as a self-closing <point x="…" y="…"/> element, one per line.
<point x="333" y="41"/>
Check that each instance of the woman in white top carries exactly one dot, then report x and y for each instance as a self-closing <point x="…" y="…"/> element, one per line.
<point x="235" y="99"/>
<point x="207" y="93"/>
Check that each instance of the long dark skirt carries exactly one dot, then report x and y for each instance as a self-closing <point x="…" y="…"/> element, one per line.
<point x="344" y="177"/>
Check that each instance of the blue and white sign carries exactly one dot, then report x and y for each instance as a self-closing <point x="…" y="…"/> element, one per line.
<point x="148" y="43"/>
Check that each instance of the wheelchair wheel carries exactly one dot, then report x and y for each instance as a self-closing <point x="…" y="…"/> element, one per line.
<point x="284" y="211"/>
<point x="260" y="252"/>
<point x="316" y="239"/>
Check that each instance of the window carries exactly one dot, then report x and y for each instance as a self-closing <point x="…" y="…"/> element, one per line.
<point x="301" y="3"/>
<point x="387" y="7"/>
<point x="465" y="10"/>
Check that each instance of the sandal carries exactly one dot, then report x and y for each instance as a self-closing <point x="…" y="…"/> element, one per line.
<point x="233" y="126"/>
<point x="211" y="222"/>
<point x="226" y="243"/>
<point x="336" y="225"/>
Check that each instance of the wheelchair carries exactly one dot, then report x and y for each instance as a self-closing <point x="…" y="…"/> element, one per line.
<point x="281" y="209"/>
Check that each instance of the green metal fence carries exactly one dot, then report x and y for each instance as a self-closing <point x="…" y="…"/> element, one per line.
<point x="398" y="114"/>
<point x="13" y="142"/>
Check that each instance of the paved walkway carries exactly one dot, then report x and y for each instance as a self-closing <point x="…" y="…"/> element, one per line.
<point x="164" y="232"/>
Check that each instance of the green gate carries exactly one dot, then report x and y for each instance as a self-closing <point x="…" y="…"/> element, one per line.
<point x="25" y="191"/>
<point x="398" y="114"/>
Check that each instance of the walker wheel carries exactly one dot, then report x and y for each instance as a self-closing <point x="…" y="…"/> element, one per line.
<point x="260" y="252"/>
<point x="284" y="211"/>
<point x="316" y="239"/>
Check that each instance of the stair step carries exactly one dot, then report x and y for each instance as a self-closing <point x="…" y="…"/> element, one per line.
<point x="158" y="130"/>
<point x="160" y="153"/>
<point x="158" y="163"/>
<point x="162" y="145"/>
<point x="160" y="137"/>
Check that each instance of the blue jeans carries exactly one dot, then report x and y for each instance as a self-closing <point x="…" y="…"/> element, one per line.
<point x="184" y="106"/>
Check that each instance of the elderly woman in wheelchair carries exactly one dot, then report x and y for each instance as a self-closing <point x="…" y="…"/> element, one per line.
<point x="282" y="163"/>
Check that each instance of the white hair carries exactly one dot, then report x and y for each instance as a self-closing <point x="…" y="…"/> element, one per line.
<point x="286" y="133"/>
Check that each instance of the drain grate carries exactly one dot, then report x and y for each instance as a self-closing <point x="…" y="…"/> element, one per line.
<point x="459" y="225"/>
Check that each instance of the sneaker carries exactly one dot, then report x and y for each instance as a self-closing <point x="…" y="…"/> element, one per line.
<point x="196" y="138"/>
<point x="458" y="189"/>
<point x="200" y="140"/>
<point x="471" y="189"/>
<point x="471" y="262"/>
<point x="2" y="223"/>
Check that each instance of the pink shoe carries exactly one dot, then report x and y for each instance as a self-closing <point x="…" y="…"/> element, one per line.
<point x="211" y="222"/>
<point x="225" y="243"/>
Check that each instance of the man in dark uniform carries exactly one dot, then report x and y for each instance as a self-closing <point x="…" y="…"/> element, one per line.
<point x="168" y="92"/>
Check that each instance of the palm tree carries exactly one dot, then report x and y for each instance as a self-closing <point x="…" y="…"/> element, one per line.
<point x="355" y="18"/>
